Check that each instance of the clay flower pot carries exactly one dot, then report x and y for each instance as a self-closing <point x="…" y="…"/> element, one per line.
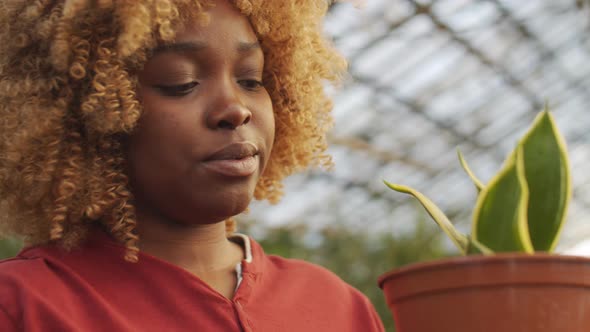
<point x="499" y="293"/>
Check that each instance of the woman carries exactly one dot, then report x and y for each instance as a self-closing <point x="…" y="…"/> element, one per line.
<point x="131" y="133"/>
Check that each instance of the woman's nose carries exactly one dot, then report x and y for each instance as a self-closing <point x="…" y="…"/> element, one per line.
<point x="228" y="112"/>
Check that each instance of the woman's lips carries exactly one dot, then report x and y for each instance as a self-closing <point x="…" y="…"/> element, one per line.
<point x="234" y="167"/>
<point x="236" y="160"/>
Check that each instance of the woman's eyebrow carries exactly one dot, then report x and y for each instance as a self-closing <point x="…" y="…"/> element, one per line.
<point x="181" y="47"/>
<point x="244" y="47"/>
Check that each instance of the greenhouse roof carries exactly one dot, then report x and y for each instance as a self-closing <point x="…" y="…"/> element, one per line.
<point x="428" y="77"/>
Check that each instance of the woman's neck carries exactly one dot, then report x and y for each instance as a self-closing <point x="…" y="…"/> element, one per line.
<point x="200" y="249"/>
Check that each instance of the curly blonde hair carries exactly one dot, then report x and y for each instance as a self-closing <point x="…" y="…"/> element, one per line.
<point x="68" y="98"/>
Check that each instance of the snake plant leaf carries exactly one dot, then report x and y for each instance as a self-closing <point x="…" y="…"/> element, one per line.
<point x="546" y="168"/>
<point x="478" y="184"/>
<point x="460" y="240"/>
<point x="500" y="215"/>
<point x="475" y="247"/>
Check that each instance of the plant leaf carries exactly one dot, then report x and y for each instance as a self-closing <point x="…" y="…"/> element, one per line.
<point x="478" y="184"/>
<point x="547" y="174"/>
<point x="475" y="247"/>
<point x="500" y="216"/>
<point x="460" y="240"/>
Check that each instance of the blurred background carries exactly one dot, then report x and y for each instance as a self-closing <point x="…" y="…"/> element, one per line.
<point x="426" y="78"/>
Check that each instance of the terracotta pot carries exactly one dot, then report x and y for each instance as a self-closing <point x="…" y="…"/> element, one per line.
<point x="501" y="293"/>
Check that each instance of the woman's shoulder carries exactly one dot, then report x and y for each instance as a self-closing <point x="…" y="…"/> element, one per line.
<point x="299" y="267"/>
<point x="303" y="275"/>
<point x="41" y="271"/>
<point x="28" y="272"/>
<point x="22" y="279"/>
<point x="23" y="268"/>
<point x="312" y="278"/>
<point x="313" y="290"/>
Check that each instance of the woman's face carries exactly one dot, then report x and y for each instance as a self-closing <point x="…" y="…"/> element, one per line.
<point x="208" y="127"/>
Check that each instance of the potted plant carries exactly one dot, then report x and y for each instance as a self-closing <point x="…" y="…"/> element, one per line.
<point x="508" y="280"/>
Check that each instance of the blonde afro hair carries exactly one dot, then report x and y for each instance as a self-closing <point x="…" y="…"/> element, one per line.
<point x="67" y="98"/>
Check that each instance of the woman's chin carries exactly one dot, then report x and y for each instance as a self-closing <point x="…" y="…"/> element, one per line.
<point x="219" y="209"/>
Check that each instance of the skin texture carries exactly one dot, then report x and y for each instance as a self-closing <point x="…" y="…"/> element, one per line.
<point x="200" y="94"/>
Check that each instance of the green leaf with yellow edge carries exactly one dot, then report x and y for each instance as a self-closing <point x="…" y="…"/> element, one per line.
<point x="546" y="168"/>
<point x="500" y="215"/>
<point x="474" y="247"/>
<point x="460" y="240"/>
<point x="478" y="184"/>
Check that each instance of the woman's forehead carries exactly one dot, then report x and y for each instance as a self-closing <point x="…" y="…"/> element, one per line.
<point x="226" y="28"/>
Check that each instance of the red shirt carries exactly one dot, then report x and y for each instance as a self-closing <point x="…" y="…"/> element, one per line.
<point x="94" y="289"/>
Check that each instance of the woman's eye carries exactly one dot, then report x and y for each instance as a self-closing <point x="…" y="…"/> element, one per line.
<point x="251" y="84"/>
<point x="177" y="90"/>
